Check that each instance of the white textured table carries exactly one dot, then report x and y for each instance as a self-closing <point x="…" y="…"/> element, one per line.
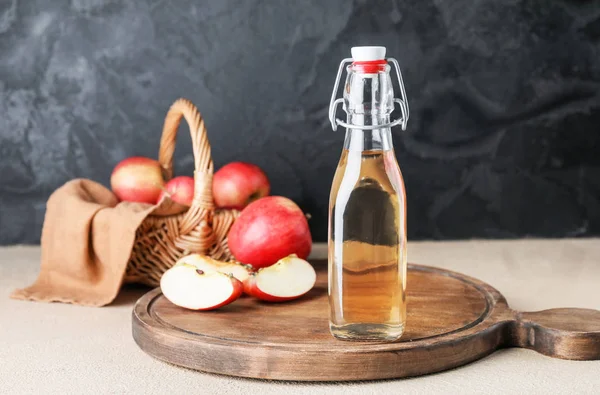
<point x="64" y="349"/>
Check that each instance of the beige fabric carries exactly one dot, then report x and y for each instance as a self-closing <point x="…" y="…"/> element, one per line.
<point x="86" y="243"/>
<point x="67" y="349"/>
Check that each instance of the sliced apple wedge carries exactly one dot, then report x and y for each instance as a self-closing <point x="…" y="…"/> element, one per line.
<point x="288" y="279"/>
<point x="209" y="265"/>
<point x="189" y="287"/>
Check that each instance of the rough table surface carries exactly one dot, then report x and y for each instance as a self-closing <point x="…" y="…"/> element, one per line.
<point x="57" y="348"/>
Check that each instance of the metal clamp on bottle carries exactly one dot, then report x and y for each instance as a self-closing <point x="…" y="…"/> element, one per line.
<point x="402" y="102"/>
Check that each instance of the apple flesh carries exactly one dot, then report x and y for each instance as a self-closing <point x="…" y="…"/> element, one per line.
<point x="180" y="190"/>
<point x="237" y="184"/>
<point x="209" y="265"/>
<point x="288" y="279"/>
<point x="269" y="229"/>
<point x="189" y="287"/>
<point x="137" y="179"/>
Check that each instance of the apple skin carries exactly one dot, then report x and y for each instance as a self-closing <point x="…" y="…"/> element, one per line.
<point x="180" y="190"/>
<point x="237" y="184"/>
<point x="251" y="289"/>
<point x="238" y="290"/>
<point x="137" y="179"/>
<point x="251" y="284"/>
<point x="268" y="230"/>
<point x="183" y="272"/>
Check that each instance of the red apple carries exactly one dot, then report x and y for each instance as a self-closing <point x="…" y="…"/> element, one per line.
<point x="137" y="179"/>
<point x="237" y="184"/>
<point x="189" y="287"/>
<point x="180" y="190"/>
<point x="288" y="279"/>
<point x="209" y="265"/>
<point x="269" y="229"/>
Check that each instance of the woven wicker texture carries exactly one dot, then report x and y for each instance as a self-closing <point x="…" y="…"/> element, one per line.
<point x="162" y="240"/>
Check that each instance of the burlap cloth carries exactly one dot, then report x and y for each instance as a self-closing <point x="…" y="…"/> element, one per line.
<point x="87" y="240"/>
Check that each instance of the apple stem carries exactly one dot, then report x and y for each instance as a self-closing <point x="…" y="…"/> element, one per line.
<point x="308" y="216"/>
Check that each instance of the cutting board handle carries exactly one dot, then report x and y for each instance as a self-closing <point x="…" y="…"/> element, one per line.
<point x="567" y="333"/>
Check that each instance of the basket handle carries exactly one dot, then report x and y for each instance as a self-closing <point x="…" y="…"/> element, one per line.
<point x="203" y="164"/>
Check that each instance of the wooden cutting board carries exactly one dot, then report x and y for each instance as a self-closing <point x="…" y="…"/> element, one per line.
<point x="452" y="320"/>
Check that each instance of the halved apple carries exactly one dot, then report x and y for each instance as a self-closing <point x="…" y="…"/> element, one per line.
<point x="209" y="265"/>
<point x="189" y="287"/>
<point x="289" y="278"/>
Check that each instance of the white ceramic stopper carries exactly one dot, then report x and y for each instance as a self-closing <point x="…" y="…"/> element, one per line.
<point x="366" y="54"/>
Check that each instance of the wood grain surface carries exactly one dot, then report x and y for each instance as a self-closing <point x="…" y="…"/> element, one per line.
<point x="452" y="320"/>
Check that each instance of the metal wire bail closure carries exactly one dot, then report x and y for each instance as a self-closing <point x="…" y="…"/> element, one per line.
<point x="402" y="102"/>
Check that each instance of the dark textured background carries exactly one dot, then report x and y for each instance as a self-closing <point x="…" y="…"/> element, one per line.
<point x="504" y="131"/>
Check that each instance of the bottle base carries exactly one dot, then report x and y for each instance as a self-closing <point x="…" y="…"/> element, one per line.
<point x="367" y="332"/>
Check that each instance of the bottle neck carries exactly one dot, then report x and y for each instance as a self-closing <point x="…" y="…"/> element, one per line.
<point x="368" y="140"/>
<point x="368" y="101"/>
<point x="370" y="119"/>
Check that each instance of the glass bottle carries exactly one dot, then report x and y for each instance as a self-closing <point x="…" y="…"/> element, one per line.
<point x="367" y="207"/>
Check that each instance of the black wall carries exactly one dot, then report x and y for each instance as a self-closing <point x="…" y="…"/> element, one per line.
<point x="503" y="139"/>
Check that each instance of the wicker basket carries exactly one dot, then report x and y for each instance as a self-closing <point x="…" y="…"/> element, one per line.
<point x="162" y="239"/>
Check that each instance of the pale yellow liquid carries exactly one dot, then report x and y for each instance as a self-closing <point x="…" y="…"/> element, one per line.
<point x="367" y="247"/>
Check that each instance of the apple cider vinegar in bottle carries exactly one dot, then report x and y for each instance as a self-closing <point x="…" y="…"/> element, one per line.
<point x="367" y="206"/>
